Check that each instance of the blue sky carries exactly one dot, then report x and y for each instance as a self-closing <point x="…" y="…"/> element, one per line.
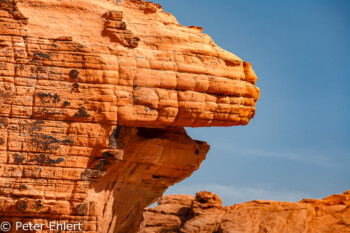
<point x="297" y="146"/>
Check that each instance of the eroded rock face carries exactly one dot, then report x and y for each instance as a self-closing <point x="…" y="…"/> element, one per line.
<point x="94" y="95"/>
<point x="105" y="192"/>
<point x="205" y="213"/>
<point x="132" y="63"/>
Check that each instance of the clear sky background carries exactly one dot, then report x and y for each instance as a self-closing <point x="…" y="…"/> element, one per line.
<point x="298" y="144"/>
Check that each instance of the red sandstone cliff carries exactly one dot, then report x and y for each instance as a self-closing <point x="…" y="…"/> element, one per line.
<point x="205" y="213"/>
<point x="94" y="96"/>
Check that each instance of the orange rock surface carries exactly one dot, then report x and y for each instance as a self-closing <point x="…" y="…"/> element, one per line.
<point x="94" y="95"/>
<point x="205" y="213"/>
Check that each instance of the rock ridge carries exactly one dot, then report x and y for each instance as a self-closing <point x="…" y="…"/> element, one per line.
<point x="205" y="213"/>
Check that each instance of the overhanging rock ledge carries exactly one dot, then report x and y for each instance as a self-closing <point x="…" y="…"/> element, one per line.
<point x="94" y="96"/>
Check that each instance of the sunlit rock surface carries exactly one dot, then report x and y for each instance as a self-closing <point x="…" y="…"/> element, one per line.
<point x="205" y="213"/>
<point x="94" y="95"/>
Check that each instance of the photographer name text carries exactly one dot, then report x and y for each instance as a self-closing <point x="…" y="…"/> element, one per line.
<point x="52" y="226"/>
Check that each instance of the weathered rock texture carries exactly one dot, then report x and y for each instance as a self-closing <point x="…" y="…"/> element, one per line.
<point x="204" y="213"/>
<point x="93" y="98"/>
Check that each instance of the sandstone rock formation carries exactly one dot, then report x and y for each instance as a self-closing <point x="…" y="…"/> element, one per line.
<point x="204" y="213"/>
<point x="94" y="95"/>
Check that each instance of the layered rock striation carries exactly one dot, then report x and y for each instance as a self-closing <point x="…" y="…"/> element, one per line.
<point x="205" y="213"/>
<point x="94" y="95"/>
